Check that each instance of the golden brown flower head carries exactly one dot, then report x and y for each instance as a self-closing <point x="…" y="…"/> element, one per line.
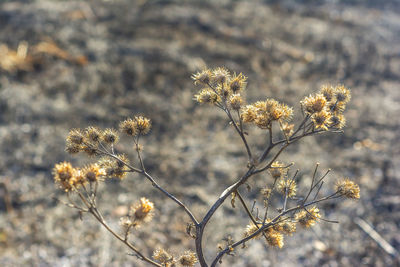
<point x="287" y="128"/>
<point x="336" y="107"/>
<point x="342" y="94"/>
<point x="143" y="210"/>
<point x="236" y="102"/>
<point x="93" y="134"/>
<point x="337" y="121"/>
<point x="220" y="75"/>
<point x="93" y="173"/>
<point x="162" y="256"/>
<point x="237" y="83"/>
<point x="90" y="149"/>
<point x="143" y="125"/>
<point x="327" y="91"/>
<point x="223" y="91"/>
<point x="188" y="259"/>
<point x="274" y="238"/>
<point x="313" y="103"/>
<point x="203" y="77"/>
<point x="249" y="113"/>
<point x="207" y="96"/>
<point x="251" y="229"/>
<point x="63" y="174"/>
<point x="287" y="186"/>
<point x="348" y="189"/>
<point x="128" y="126"/>
<point x="321" y="120"/>
<point x="308" y="219"/>
<point x="72" y="148"/>
<point x="288" y="227"/>
<point x="110" y="136"/>
<point x="278" y="170"/>
<point x="75" y="136"/>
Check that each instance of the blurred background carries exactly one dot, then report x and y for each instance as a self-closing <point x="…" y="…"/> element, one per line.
<point x="71" y="64"/>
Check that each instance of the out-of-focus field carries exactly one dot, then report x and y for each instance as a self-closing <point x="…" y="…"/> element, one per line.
<point x="66" y="64"/>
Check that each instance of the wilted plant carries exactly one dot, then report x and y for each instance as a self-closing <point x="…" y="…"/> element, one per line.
<point x="322" y="112"/>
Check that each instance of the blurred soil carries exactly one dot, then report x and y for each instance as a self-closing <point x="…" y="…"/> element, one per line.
<point x="66" y="64"/>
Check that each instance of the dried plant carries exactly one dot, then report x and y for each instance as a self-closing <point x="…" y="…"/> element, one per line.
<point x="322" y="112"/>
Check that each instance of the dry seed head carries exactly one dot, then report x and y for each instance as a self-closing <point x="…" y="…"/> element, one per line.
<point x="313" y="103"/>
<point x="75" y="136"/>
<point x="249" y="113"/>
<point x="72" y="148"/>
<point x="321" y="120"/>
<point x="203" y="77"/>
<point x="336" y="107"/>
<point x="287" y="186"/>
<point x="278" y="170"/>
<point x="110" y="136"/>
<point x="143" y="210"/>
<point x="287" y="128"/>
<point x="224" y="91"/>
<point x="207" y="96"/>
<point x="90" y="149"/>
<point x="220" y="75"/>
<point x="288" y="227"/>
<point x="266" y="192"/>
<point x="93" y="173"/>
<point x="337" y="121"/>
<point x="188" y="259"/>
<point x="237" y="83"/>
<point x="63" y="174"/>
<point x="308" y="219"/>
<point x="236" y="101"/>
<point x="327" y="91"/>
<point x="162" y="256"/>
<point x="125" y="223"/>
<point x="128" y="126"/>
<point x="342" y="94"/>
<point x="274" y="238"/>
<point x="251" y="229"/>
<point x="93" y="134"/>
<point x="143" y="125"/>
<point x="348" y="188"/>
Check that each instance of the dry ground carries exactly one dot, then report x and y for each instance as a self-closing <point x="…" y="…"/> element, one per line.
<point x="97" y="62"/>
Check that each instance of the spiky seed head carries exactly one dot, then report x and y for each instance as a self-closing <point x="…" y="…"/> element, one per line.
<point x="93" y="134"/>
<point x="220" y="75"/>
<point x="337" y="121"/>
<point x="142" y="212"/>
<point x="63" y="174"/>
<point x="237" y="83"/>
<point x="249" y="113"/>
<point x="313" y="103"/>
<point x="75" y="136"/>
<point x="110" y="136"/>
<point x="309" y="217"/>
<point x="348" y="188"/>
<point x="278" y="170"/>
<point x="72" y="148"/>
<point x="342" y="94"/>
<point x="274" y="238"/>
<point x="288" y="227"/>
<point x="287" y="128"/>
<point x="162" y="256"/>
<point x="203" y="77"/>
<point x="187" y="259"/>
<point x="236" y="101"/>
<point x="143" y="125"/>
<point x="327" y="91"/>
<point x="93" y="172"/>
<point x="287" y="186"/>
<point x="128" y="127"/>
<point x="207" y="96"/>
<point x="321" y="120"/>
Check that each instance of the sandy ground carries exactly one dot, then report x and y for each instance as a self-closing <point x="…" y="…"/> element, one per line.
<point x="97" y="62"/>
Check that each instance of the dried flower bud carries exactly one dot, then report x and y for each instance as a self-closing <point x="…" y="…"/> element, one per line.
<point x="266" y="192"/>
<point x="220" y="75"/>
<point x="287" y="128"/>
<point x="236" y="101"/>
<point x="188" y="259"/>
<point x="110" y="136"/>
<point x="203" y="77"/>
<point x="63" y="174"/>
<point x="348" y="189"/>
<point x="327" y="92"/>
<point x="143" y="125"/>
<point x="337" y="121"/>
<point x="72" y="148"/>
<point x="237" y="83"/>
<point x="162" y="256"/>
<point x="342" y="94"/>
<point x="278" y="170"/>
<point x="93" y="173"/>
<point x="93" y="134"/>
<point x="313" y="103"/>
<point x="288" y="227"/>
<point x="321" y="120"/>
<point x="287" y="186"/>
<point x="143" y="210"/>
<point x="249" y="113"/>
<point x="206" y="96"/>
<point x="308" y="219"/>
<point x="128" y="126"/>
<point x="251" y="229"/>
<point x="273" y="238"/>
<point x="75" y="136"/>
